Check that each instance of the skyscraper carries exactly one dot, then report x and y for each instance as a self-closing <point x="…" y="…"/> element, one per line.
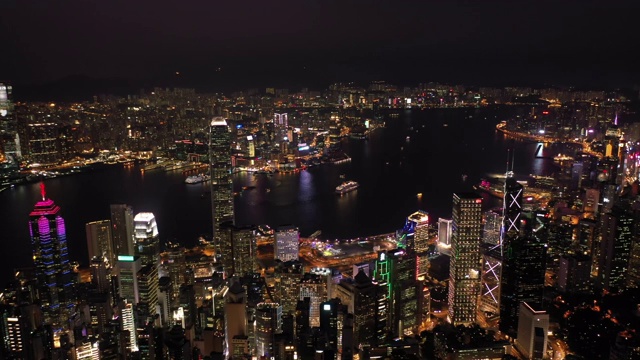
<point x="128" y="267"/>
<point x="122" y="232"/>
<point x="523" y="272"/>
<point x="54" y="276"/>
<point x="464" y="278"/>
<point x="280" y="124"/>
<point x="420" y="241"/>
<point x="9" y="138"/>
<point x="315" y="288"/>
<point x="268" y="323"/>
<point x="148" y="288"/>
<point x="286" y="245"/>
<point x="147" y="240"/>
<point x="615" y="249"/>
<point x="99" y="240"/>
<point x="220" y="169"/>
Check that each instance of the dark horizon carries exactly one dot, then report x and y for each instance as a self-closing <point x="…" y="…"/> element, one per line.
<point x="227" y="46"/>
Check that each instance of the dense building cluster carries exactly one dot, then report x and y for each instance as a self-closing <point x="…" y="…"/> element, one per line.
<point x="558" y="260"/>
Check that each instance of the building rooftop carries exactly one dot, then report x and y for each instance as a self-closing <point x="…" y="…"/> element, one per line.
<point x="218" y="121"/>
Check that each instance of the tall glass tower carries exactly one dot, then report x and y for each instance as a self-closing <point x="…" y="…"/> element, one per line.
<point x="220" y="168"/>
<point x="464" y="278"/>
<point x="51" y="259"/>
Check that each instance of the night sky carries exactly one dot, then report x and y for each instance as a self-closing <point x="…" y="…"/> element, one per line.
<point x="313" y="42"/>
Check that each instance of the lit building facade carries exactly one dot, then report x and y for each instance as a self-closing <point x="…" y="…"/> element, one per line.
<point x="147" y="239"/>
<point x="122" y="229"/>
<point x="268" y="323"/>
<point x="523" y="272"/>
<point x="54" y="276"/>
<point x="99" y="240"/>
<point x="128" y="268"/>
<point x="420" y="241"/>
<point x="9" y="138"/>
<point x="220" y="171"/>
<point x="615" y="249"/>
<point x="464" y="277"/>
<point x="286" y="246"/>
<point x="314" y="287"/>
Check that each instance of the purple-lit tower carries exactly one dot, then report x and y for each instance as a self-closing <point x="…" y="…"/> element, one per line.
<point x="54" y="276"/>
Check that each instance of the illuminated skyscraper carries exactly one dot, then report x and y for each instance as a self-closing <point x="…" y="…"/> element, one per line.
<point x="235" y="315"/>
<point x="396" y="269"/>
<point x="464" y="278"/>
<point x="220" y="169"/>
<point x="314" y="287"/>
<point x="147" y="240"/>
<point x="128" y="267"/>
<point x="444" y="236"/>
<point x="54" y="276"/>
<point x="129" y="324"/>
<point x="99" y="240"/>
<point x="268" y="323"/>
<point x="523" y="272"/>
<point x="122" y="232"/>
<point x="237" y="247"/>
<point x="615" y="249"/>
<point x="44" y="143"/>
<point x="286" y="245"/>
<point x="420" y="241"/>
<point x="9" y="139"/>
<point x="280" y="125"/>
<point x="148" y="288"/>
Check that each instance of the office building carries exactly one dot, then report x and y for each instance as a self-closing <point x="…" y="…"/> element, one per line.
<point x="286" y="246"/>
<point x="128" y="325"/>
<point x="10" y="149"/>
<point x="615" y="249"/>
<point x="100" y="275"/>
<point x="396" y="270"/>
<point x="367" y="301"/>
<point x="533" y="326"/>
<point x="280" y="126"/>
<point x="148" y="289"/>
<point x="99" y="240"/>
<point x="268" y="323"/>
<point x="54" y="276"/>
<point x="43" y="143"/>
<point x="464" y="278"/>
<point x="315" y="288"/>
<point x="574" y="274"/>
<point x="332" y="320"/>
<point x="220" y="171"/>
<point x="235" y="315"/>
<point x="87" y="350"/>
<point x="444" y="236"/>
<point x="237" y="249"/>
<point x="147" y="239"/>
<point x="128" y="268"/>
<point x="420" y="241"/>
<point x="287" y="277"/>
<point x="122" y="232"/>
<point x="523" y="272"/>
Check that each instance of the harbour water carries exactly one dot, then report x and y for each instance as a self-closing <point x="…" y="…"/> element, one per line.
<point x="432" y="152"/>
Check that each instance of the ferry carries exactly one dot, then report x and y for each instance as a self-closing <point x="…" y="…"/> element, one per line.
<point x="562" y="157"/>
<point x="196" y="179"/>
<point x="346" y="186"/>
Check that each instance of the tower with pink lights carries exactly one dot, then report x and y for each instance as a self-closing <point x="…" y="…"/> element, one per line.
<point x="53" y="272"/>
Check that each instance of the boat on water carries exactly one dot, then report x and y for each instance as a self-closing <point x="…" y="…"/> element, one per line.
<point x="346" y="186"/>
<point x="248" y="187"/>
<point x="196" y="179"/>
<point x="562" y="157"/>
